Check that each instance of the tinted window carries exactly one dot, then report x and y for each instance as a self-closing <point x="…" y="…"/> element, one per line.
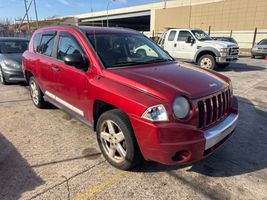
<point x="36" y="41"/>
<point x="183" y="35"/>
<point x="172" y="35"/>
<point x="13" y="46"/>
<point x="263" y="42"/>
<point x="67" y="45"/>
<point x="47" y="44"/>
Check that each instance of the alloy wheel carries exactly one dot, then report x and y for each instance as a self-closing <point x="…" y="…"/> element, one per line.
<point x="1" y="76"/>
<point x="113" y="141"/>
<point x="34" y="92"/>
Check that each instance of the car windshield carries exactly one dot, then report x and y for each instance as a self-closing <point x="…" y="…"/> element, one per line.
<point x="118" y="50"/>
<point x="263" y="42"/>
<point x="13" y="46"/>
<point x="201" y="35"/>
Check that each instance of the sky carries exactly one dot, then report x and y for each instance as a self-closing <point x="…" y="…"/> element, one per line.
<point x="46" y="8"/>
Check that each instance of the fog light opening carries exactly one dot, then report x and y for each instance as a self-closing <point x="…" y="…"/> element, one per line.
<point x="182" y="156"/>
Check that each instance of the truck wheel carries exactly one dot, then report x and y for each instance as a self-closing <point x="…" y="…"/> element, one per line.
<point x="2" y="78"/>
<point x="207" y="61"/>
<point x="36" y="93"/>
<point x="116" y="140"/>
<point x="223" y="65"/>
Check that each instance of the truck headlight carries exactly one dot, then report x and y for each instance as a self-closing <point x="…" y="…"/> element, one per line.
<point x="181" y="107"/>
<point x="156" y="113"/>
<point x="224" y="52"/>
<point x="12" y="64"/>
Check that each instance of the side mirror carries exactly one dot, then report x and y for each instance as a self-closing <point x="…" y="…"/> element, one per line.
<point x="189" y="39"/>
<point x="76" y="60"/>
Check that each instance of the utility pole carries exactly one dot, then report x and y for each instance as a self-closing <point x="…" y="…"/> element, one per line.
<point x="165" y="4"/>
<point x="108" y="10"/>
<point x="27" y="15"/>
<point x="190" y="13"/>
<point x="36" y="15"/>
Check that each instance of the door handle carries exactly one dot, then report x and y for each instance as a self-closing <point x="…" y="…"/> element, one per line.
<point x="175" y="45"/>
<point x="56" y="69"/>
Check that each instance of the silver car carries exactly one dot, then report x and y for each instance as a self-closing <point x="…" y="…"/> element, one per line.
<point x="11" y="50"/>
<point x="260" y="49"/>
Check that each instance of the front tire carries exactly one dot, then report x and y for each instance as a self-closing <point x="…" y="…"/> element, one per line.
<point x="117" y="141"/>
<point x="207" y="61"/>
<point x="36" y="94"/>
<point x="2" y="78"/>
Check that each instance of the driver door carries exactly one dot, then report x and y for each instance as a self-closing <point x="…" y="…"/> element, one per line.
<point x="185" y="50"/>
<point x="72" y="84"/>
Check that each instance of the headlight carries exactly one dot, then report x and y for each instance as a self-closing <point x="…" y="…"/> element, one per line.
<point x="12" y="64"/>
<point x="224" y="50"/>
<point x="255" y="48"/>
<point x="156" y="113"/>
<point x="181" y="107"/>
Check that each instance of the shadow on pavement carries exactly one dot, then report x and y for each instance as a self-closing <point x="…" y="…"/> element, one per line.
<point x="240" y="67"/>
<point x="16" y="176"/>
<point x="243" y="153"/>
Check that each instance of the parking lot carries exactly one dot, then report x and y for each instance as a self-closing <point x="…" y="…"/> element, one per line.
<point x="45" y="154"/>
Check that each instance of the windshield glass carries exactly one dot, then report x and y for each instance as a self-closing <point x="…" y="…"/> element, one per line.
<point x="263" y="42"/>
<point x="118" y="50"/>
<point x="15" y="46"/>
<point x="201" y="35"/>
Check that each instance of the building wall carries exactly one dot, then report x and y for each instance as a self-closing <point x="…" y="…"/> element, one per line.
<point x="221" y="16"/>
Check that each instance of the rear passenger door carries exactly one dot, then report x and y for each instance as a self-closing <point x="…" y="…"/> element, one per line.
<point x="45" y="74"/>
<point x="170" y="44"/>
<point x="71" y="82"/>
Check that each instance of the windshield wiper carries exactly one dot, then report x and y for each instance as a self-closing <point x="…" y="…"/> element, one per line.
<point x="122" y="64"/>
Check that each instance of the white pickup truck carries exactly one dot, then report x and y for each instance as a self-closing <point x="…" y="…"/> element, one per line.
<point x="196" y="46"/>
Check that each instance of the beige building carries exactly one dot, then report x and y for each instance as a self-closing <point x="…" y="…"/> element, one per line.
<point x="238" y="18"/>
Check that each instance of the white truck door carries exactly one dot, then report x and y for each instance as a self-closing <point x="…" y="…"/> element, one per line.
<point x="185" y="50"/>
<point x="169" y="43"/>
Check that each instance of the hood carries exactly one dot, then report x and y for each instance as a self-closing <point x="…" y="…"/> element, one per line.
<point x="13" y="56"/>
<point x="166" y="81"/>
<point x="222" y="44"/>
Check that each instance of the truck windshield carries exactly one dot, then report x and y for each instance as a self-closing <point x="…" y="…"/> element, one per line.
<point x="201" y="35"/>
<point x="118" y="50"/>
<point x="13" y="46"/>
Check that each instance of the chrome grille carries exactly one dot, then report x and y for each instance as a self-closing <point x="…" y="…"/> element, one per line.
<point x="234" y="51"/>
<point x="213" y="108"/>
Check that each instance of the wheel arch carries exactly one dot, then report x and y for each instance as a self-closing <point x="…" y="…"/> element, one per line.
<point x="206" y="51"/>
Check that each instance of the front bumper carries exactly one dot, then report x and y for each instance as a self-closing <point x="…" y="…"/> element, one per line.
<point x="259" y="53"/>
<point x="13" y="75"/>
<point x="173" y="143"/>
<point x="227" y="59"/>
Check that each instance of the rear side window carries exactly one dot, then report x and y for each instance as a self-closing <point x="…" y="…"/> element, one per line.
<point x="172" y="35"/>
<point x="183" y="35"/>
<point x="67" y="45"/>
<point x="36" y="41"/>
<point x="47" y="44"/>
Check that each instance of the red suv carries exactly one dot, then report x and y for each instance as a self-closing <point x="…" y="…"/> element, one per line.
<point x="138" y="99"/>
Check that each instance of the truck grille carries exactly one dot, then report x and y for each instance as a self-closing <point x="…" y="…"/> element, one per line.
<point x="213" y="108"/>
<point x="234" y="51"/>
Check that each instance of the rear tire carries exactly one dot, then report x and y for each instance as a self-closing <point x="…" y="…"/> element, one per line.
<point x="2" y="78"/>
<point x="36" y="93"/>
<point x="117" y="141"/>
<point x="207" y="61"/>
